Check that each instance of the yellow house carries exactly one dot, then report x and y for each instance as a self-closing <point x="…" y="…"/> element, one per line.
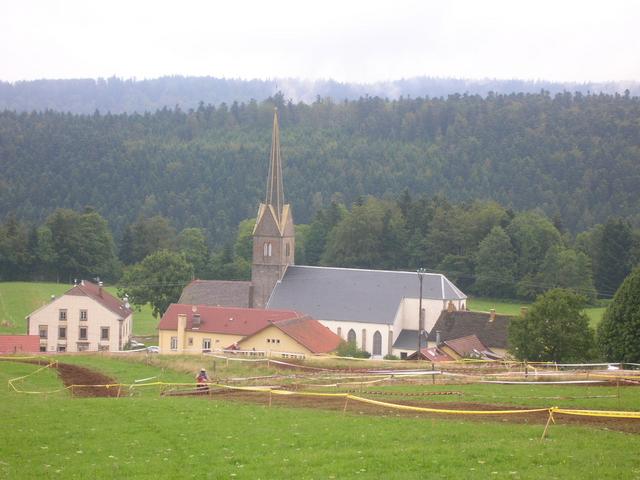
<point x="297" y="337"/>
<point x="202" y="328"/>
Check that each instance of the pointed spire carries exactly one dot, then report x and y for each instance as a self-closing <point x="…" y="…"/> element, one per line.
<point x="275" y="188"/>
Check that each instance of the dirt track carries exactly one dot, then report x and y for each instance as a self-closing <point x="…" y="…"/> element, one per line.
<point x="354" y="407"/>
<point x="75" y="375"/>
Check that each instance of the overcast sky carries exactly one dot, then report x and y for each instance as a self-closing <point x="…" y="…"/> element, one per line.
<point x="347" y="40"/>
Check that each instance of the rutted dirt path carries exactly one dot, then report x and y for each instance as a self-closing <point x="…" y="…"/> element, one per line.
<point x="78" y="376"/>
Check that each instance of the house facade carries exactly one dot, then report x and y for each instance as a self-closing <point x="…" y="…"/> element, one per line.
<point x="85" y="318"/>
<point x="197" y="329"/>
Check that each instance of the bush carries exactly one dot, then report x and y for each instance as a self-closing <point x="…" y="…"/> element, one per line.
<point x="347" y="349"/>
<point x="555" y="329"/>
<point x="390" y="356"/>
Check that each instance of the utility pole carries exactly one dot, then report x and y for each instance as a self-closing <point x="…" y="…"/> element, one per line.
<point x="420" y="272"/>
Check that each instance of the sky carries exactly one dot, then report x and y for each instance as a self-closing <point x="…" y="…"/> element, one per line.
<point x="346" y="40"/>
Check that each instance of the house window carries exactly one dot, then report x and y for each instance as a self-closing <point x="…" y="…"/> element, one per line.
<point x="351" y="336"/>
<point x="266" y="249"/>
<point x="62" y="348"/>
<point x="43" y="348"/>
<point x="44" y="331"/>
<point x="377" y="343"/>
<point x="174" y="343"/>
<point x="83" y="315"/>
<point x="83" y="333"/>
<point x="206" y="344"/>
<point x="104" y="333"/>
<point x="62" y="333"/>
<point x="83" y="347"/>
<point x="62" y="315"/>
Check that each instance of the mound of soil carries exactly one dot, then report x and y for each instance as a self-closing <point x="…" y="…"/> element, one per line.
<point x="95" y="381"/>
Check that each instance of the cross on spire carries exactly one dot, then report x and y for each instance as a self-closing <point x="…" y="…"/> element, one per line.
<point x="275" y="188"/>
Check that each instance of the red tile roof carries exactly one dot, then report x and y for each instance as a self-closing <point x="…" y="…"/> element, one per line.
<point x="310" y="333"/>
<point x="432" y="354"/>
<point x="19" y="343"/>
<point x="466" y="346"/>
<point x="224" y="320"/>
<point x="100" y="295"/>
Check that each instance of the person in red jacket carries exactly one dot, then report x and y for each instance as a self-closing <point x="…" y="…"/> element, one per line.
<point x="202" y="380"/>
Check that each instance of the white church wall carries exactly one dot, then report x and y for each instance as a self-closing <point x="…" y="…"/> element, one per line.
<point x="369" y="329"/>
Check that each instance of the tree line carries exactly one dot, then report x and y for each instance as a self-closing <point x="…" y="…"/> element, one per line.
<point x="575" y="157"/>
<point x="483" y="247"/>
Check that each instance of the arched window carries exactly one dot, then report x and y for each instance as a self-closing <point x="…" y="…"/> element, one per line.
<point x="266" y="249"/>
<point x="351" y="336"/>
<point x="377" y="343"/>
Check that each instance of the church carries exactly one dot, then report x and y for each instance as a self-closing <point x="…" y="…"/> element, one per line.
<point x="380" y="311"/>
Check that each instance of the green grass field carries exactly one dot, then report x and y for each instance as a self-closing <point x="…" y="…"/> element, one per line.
<point x="19" y="299"/>
<point x="149" y="436"/>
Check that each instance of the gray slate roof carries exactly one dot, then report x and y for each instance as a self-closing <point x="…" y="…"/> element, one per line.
<point x="408" y="340"/>
<point x="217" y="293"/>
<point x="453" y="325"/>
<point x="347" y="294"/>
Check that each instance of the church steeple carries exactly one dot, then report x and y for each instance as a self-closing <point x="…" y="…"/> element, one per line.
<point x="275" y="188"/>
<point x="274" y="236"/>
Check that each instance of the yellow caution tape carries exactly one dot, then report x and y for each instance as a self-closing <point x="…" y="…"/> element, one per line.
<point x="597" y="413"/>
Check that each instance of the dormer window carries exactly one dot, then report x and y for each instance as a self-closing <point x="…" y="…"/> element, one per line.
<point x="266" y="249"/>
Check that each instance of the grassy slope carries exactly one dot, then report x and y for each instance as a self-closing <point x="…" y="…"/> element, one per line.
<point x="507" y="307"/>
<point x="154" y="437"/>
<point x="19" y="299"/>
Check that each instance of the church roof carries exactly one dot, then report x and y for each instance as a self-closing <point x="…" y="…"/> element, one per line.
<point x="217" y="293"/>
<point x="348" y="294"/>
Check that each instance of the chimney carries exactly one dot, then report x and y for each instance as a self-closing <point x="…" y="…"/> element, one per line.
<point x="523" y="311"/>
<point x="438" y="338"/>
<point x="451" y="307"/>
<point x="492" y="315"/>
<point x="182" y="326"/>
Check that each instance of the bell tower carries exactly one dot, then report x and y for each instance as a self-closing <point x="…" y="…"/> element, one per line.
<point x="274" y="240"/>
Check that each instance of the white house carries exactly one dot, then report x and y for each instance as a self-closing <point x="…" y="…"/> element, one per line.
<point x="85" y="318"/>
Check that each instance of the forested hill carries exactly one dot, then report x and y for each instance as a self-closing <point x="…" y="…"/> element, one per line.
<point x="576" y="157"/>
<point x="117" y="95"/>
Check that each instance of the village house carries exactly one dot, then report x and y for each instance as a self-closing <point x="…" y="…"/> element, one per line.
<point x="282" y="333"/>
<point x="86" y="318"/>
<point x="491" y="330"/>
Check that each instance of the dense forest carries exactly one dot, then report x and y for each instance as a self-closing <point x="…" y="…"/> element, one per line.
<point x="117" y="95"/>
<point x="574" y="157"/>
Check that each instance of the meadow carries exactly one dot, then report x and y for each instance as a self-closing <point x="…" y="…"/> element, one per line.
<point x="149" y="436"/>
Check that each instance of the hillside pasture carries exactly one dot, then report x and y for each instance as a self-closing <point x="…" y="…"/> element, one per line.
<point x="148" y="435"/>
